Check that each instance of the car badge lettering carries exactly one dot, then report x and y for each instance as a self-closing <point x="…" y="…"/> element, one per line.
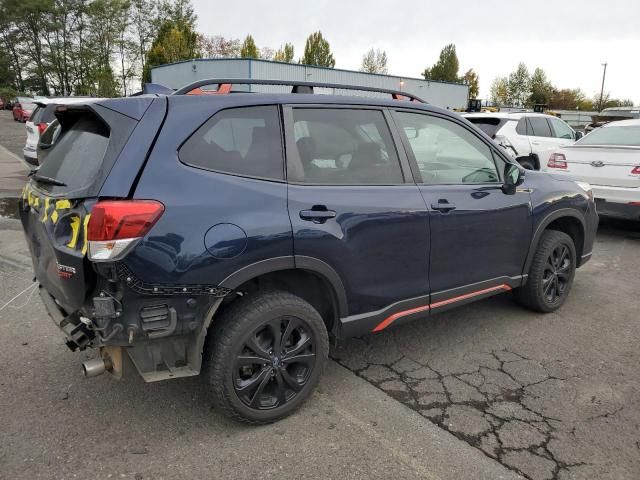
<point x="64" y="271"/>
<point x="597" y="163"/>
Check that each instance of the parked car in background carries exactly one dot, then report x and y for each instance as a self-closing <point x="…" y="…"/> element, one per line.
<point x="608" y="158"/>
<point x="611" y="115"/>
<point x="42" y="116"/>
<point x="527" y="137"/>
<point x="237" y="235"/>
<point x="23" y="107"/>
<point x="2" y="104"/>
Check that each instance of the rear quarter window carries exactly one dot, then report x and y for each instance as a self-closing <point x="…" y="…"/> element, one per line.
<point x="240" y="141"/>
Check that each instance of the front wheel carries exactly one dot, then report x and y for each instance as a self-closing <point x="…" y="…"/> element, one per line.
<point x="265" y="356"/>
<point x="551" y="274"/>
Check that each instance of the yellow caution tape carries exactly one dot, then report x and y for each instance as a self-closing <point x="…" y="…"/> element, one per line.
<point x="85" y="223"/>
<point x="75" y="230"/>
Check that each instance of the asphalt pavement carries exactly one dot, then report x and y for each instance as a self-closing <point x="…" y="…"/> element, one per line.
<point x="485" y="391"/>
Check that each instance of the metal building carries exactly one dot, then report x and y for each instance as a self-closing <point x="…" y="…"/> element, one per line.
<point x="176" y="75"/>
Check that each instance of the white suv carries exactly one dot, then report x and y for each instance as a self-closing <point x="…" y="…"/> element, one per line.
<point x="528" y="137"/>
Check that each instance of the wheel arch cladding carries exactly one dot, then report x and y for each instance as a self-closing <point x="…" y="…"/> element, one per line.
<point x="312" y="280"/>
<point x="565" y="220"/>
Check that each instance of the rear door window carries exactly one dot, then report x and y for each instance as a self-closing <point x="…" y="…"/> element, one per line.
<point x="561" y="129"/>
<point x="343" y="147"/>
<point x="77" y="157"/>
<point x="540" y="127"/>
<point x="241" y="141"/>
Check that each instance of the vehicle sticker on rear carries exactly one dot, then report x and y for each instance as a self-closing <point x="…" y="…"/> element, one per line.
<point x="51" y="210"/>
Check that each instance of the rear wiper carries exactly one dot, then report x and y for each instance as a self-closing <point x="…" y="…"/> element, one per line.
<point x="48" y="180"/>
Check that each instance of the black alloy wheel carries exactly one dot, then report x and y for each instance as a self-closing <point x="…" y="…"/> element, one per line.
<point x="274" y="363"/>
<point x="264" y="356"/>
<point x="551" y="273"/>
<point x="557" y="273"/>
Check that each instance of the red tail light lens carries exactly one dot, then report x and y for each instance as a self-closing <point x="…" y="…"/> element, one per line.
<point x="113" y="220"/>
<point x="42" y="127"/>
<point x="635" y="170"/>
<point x="557" y="160"/>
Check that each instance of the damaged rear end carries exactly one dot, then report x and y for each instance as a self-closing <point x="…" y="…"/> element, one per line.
<point x="79" y="219"/>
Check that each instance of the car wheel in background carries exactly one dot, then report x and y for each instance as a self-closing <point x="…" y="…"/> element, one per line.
<point x="551" y="274"/>
<point x="265" y="356"/>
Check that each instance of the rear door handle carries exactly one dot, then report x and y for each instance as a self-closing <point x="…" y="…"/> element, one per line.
<point x="443" y="206"/>
<point x="318" y="214"/>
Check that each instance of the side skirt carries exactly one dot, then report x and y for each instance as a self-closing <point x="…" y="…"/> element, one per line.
<point x="420" y="307"/>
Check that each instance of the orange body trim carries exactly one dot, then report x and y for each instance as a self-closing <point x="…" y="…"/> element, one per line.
<point x="392" y="318"/>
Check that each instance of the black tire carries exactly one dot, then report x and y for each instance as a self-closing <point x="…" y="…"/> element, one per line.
<point x="252" y="384"/>
<point x="527" y="163"/>
<point x="551" y="274"/>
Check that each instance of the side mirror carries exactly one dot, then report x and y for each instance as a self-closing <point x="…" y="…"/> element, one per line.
<point x="513" y="176"/>
<point x="579" y="135"/>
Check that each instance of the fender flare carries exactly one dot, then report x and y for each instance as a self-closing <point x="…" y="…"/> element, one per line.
<point x="297" y="262"/>
<point x="546" y="221"/>
<point x="294" y="262"/>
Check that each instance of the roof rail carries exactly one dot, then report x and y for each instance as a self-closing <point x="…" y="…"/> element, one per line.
<point x="224" y="86"/>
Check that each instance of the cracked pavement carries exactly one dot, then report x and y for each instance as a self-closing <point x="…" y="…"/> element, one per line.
<point x="552" y="396"/>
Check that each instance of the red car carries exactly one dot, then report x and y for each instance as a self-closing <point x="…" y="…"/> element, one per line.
<point x="23" y="107"/>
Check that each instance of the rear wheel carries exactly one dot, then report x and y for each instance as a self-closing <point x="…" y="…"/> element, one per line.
<point x="265" y="356"/>
<point x="551" y="273"/>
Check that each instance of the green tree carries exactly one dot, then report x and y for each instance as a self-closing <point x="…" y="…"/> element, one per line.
<point x="284" y="53"/>
<point x="317" y="51"/>
<point x="174" y="42"/>
<point x="472" y="79"/>
<point x="374" y="61"/>
<point x="499" y="92"/>
<point x="541" y="88"/>
<point x="519" y="85"/>
<point x="249" y="48"/>
<point x="570" y="99"/>
<point x="446" y="68"/>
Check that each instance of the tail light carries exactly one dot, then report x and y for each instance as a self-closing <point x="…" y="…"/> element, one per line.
<point x="42" y="127"/>
<point x="635" y="170"/>
<point x="557" y="160"/>
<point x="116" y="225"/>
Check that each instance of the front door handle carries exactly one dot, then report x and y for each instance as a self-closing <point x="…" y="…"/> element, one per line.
<point x="443" y="206"/>
<point x="317" y="214"/>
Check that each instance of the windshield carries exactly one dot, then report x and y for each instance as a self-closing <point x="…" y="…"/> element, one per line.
<point x="28" y="106"/>
<point x="627" y="136"/>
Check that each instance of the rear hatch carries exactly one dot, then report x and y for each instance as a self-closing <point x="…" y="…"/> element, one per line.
<point x="604" y="165"/>
<point x="56" y="202"/>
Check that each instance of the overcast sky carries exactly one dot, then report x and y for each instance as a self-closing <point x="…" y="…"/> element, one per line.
<point x="568" y="39"/>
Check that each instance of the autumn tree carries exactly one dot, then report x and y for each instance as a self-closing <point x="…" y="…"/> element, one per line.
<point x="499" y="91"/>
<point x="446" y="68"/>
<point x="374" y="61"/>
<point x="472" y="79"/>
<point x="284" y="53"/>
<point x="317" y="51"/>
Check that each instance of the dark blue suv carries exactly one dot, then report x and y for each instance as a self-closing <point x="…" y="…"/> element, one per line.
<point x="237" y="234"/>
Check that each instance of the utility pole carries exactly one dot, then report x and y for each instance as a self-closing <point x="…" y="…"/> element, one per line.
<point x="604" y="73"/>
